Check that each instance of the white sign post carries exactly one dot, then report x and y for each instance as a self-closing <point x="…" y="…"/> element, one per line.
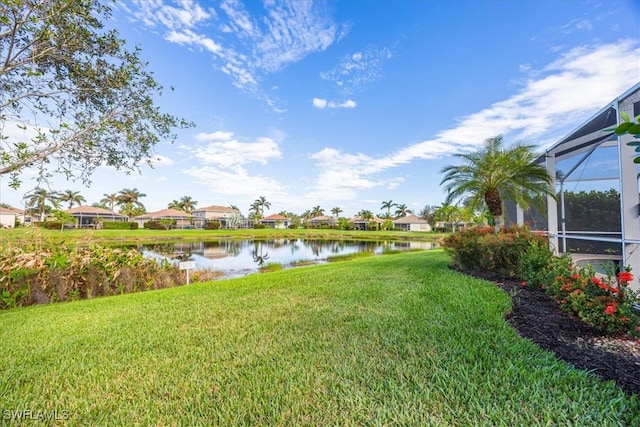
<point x="187" y="265"/>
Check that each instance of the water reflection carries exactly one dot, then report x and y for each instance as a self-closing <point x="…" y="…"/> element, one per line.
<point x="239" y="257"/>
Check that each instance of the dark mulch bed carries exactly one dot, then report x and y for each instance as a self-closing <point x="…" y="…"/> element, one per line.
<point x="538" y="318"/>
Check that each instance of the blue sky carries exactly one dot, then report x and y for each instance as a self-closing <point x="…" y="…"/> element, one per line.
<point x="351" y="103"/>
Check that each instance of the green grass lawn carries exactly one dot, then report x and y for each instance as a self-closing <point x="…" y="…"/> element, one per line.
<point x="30" y="234"/>
<point x="391" y="340"/>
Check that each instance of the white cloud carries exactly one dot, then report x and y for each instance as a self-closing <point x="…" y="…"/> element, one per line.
<point x="188" y="37"/>
<point x="359" y="70"/>
<point x="568" y="90"/>
<point x="320" y="103"/>
<point x="239" y="20"/>
<point x="187" y="15"/>
<point x="245" y="47"/>
<point x="224" y="161"/>
<point x="214" y="136"/>
<point x="236" y="182"/>
<point x="323" y="103"/>
<point x="158" y="160"/>
<point x="224" y="150"/>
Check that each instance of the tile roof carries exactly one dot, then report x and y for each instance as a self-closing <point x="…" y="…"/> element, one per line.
<point x="217" y="208"/>
<point x="165" y="213"/>
<point x="92" y="210"/>
<point x="410" y="219"/>
<point x="275" y="217"/>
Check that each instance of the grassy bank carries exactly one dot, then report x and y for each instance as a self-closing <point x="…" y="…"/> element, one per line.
<point x="141" y="235"/>
<point x="385" y="340"/>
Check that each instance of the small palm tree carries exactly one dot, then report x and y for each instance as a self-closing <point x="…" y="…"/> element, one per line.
<point x="494" y="173"/>
<point x="131" y="195"/>
<point x="72" y="197"/>
<point x="38" y="200"/>
<point x="366" y="215"/>
<point x="255" y="210"/>
<point x="402" y="210"/>
<point x="188" y="204"/>
<point x="110" y="200"/>
<point x="174" y="204"/>
<point x="388" y="205"/>
<point x="262" y="204"/>
<point x="336" y="211"/>
<point x="317" y="211"/>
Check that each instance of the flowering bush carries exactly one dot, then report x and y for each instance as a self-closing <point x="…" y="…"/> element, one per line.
<point x="537" y="266"/>
<point x="607" y="304"/>
<point x="480" y="249"/>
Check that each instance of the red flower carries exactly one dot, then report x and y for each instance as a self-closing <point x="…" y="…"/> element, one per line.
<point x="624" y="319"/>
<point x="543" y="287"/>
<point x="575" y="276"/>
<point x="564" y="301"/>
<point x="524" y="283"/>
<point x="611" y="308"/>
<point x="625" y="276"/>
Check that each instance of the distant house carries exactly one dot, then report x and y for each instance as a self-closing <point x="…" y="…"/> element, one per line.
<point x="276" y="221"/>
<point x="222" y="214"/>
<point x="412" y="223"/>
<point x="7" y="218"/>
<point x="89" y="216"/>
<point x="322" y="221"/>
<point x="183" y="220"/>
<point x="360" y="223"/>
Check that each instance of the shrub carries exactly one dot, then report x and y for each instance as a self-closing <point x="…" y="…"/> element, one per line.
<point x="55" y="272"/>
<point x="259" y="226"/>
<point x="538" y="267"/>
<point x="119" y="225"/>
<point x="49" y="225"/>
<point x="212" y="225"/>
<point x="607" y="304"/>
<point x="481" y="250"/>
<point x="163" y="224"/>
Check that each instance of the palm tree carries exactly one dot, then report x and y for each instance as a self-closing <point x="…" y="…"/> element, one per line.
<point x="130" y="195"/>
<point x="366" y="215"/>
<point x="493" y="174"/>
<point x="38" y="200"/>
<point x="336" y="211"/>
<point x="174" y="204"/>
<point x="262" y="204"/>
<point x="110" y="200"/>
<point x="234" y="207"/>
<point x="402" y="210"/>
<point x="256" y="210"/>
<point x="72" y="197"/>
<point x="317" y="211"/>
<point x="131" y="210"/>
<point x="187" y="204"/>
<point x="388" y="205"/>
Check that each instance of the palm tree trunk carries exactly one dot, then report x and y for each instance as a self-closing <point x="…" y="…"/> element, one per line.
<point x="497" y="224"/>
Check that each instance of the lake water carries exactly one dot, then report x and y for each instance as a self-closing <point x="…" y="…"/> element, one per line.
<point x="240" y="257"/>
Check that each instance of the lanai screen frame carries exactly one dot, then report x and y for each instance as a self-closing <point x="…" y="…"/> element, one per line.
<point x="589" y="136"/>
